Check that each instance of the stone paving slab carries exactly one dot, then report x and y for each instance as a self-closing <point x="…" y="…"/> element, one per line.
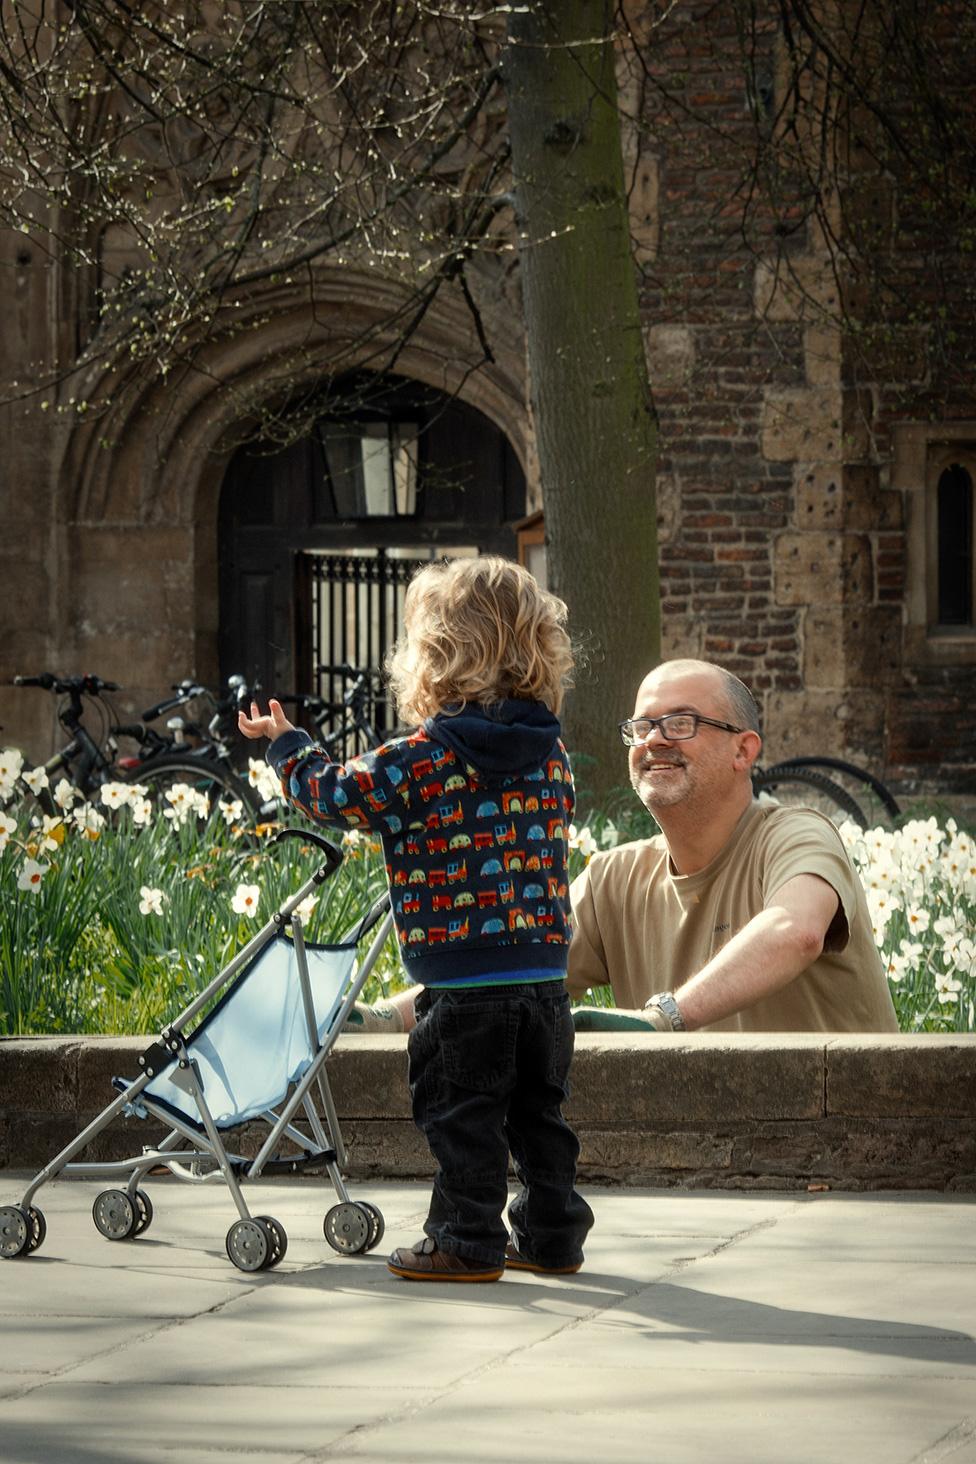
<point x="688" y="1421"/>
<point x="762" y="1328"/>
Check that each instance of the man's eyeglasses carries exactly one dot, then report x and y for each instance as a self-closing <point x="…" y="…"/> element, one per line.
<point x="675" y="727"/>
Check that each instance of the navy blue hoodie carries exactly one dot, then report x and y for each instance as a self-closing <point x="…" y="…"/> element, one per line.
<point x="473" y="810"/>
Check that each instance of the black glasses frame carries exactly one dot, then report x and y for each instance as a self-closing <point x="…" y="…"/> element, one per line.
<point x="627" y="738"/>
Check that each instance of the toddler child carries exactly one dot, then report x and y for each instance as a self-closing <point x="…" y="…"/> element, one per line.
<point x="473" y="809"/>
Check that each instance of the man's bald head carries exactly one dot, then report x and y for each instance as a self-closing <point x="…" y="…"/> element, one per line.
<point x="740" y="704"/>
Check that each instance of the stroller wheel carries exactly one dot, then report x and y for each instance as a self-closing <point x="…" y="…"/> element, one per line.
<point x="376" y="1225"/>
<point x="348" y="1227"/>
<point x="279" y="1240"/>
<point x="15" y="1232"/>
<point x="144" y="1211"/>
<point x="38" y="1229"/>
<point x="115" y="1215"/>
<point x="250" y="1245"/>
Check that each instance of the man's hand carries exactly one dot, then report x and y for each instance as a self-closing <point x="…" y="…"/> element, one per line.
<point x="272" y="725"/>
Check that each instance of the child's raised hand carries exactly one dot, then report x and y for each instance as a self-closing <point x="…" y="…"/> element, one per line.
<point x="272" y="725"/>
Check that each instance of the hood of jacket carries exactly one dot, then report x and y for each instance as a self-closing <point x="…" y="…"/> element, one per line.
<point x="499" y="740"/>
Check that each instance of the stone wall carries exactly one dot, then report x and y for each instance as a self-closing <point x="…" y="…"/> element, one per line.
<point x="783" y="504"/>
<point x="696" y="1111"/>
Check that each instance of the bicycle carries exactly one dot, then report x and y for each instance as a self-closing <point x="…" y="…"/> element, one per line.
<point x="347" y="726"/>
<point x="873" y="796"/>
<point x="214" y="740"/>
<point x="805" y="787"/>
<point x="88" y="762"/>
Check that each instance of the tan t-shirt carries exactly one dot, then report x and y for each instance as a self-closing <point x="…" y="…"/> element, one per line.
<point x="643" y="928"/>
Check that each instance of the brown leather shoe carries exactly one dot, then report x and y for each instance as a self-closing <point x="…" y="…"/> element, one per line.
<point x="424" y="1261"/>
<point x="515" y="1261"/>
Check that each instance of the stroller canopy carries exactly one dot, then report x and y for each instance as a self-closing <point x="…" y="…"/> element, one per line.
<point x="256" y="1041"/>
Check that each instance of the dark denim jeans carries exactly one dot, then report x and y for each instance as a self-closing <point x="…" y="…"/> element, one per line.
<point x="488" y="1073"/>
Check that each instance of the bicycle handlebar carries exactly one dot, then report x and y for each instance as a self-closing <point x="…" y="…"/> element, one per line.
<point x="45" y="680"/>
<point x="68" y="685"/>
<point x="308" y="701"/>
<point x="359" y="675"/>
<point x="186" y="691"/>
<point x="353" y="694"/>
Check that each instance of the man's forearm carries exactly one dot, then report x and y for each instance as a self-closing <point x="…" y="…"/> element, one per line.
<point x="765" y="955"/>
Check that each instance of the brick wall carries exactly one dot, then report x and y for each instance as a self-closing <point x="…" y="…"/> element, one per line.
<point x="784" y="533"/>
<point x="784" y="551"/>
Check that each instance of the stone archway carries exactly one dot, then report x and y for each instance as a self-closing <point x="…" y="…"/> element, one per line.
<point x="137" y="545"/>
<point x="315" y="537"/>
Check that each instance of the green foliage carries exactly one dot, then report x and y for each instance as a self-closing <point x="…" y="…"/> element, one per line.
<point x="111" y="923"/>
<point x="121" y="925"/>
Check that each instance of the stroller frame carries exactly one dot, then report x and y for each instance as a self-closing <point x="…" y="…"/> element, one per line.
<point x="253" y="1243"/>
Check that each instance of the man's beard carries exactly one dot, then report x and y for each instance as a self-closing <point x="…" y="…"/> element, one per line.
<point x="661" y="790"/>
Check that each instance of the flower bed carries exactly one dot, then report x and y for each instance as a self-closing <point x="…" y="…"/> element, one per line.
<point x="921" y="887"/>
<point x="114" y="913"/>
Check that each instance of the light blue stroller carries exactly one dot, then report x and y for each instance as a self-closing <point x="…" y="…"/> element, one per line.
<point x="258" y="1055"/>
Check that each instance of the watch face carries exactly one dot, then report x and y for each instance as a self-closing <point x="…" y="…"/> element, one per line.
<point x="666" y="1003"/>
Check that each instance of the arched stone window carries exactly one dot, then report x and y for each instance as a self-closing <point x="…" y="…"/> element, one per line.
<point x="954" y="546"/>
<point x="934" y="464"/>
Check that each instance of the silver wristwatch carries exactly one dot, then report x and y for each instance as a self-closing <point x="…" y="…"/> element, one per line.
<point x="669" y="1008"/>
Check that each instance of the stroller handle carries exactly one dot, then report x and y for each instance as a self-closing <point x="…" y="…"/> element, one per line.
<point x="333" y="856"/>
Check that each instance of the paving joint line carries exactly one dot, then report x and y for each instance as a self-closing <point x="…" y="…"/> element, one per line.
<point x="950" y="1443"/>
<point x="339" y="1446"/>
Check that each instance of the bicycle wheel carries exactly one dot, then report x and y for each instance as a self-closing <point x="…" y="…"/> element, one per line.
<point x="869" y="791"/>
<point x="804" y="788"/>
<point x="165" y="778"/>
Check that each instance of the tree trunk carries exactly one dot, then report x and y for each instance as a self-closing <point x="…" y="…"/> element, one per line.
<point x="594" y="417"/>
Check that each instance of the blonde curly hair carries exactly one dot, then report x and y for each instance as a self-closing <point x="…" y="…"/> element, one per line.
<point x="478" y="630"/>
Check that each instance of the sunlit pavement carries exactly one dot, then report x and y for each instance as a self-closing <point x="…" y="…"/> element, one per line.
<point x="705" y="1326"/>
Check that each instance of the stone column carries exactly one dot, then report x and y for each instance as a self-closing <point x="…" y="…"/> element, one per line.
<point x="826" y="561"/>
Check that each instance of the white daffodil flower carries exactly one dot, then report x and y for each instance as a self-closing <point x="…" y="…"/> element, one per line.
<point x="115" y="795"/>
<point x="917" y="919"/>
<point x="65" y="794"/>
<point x="947" y="988"/>
<point x="88" y="820"/>
<point x="36" y="779"/>
<point x="52" y="831"/>
<point x="184" y="802"/>
<point x="306" y="909"/>
<point x="8" y="826"/>
<point x="31" y="875"/>
<point x="264" y="779"/>
<point x="895" y="967"/>
<point x="583" y="840"/>
<point x="151" y="901"/>
<point x="11" y="767"/>
<point x="245" y="901"/>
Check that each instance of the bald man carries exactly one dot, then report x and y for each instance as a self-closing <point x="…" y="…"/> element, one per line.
<point x="739" y="916"/>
